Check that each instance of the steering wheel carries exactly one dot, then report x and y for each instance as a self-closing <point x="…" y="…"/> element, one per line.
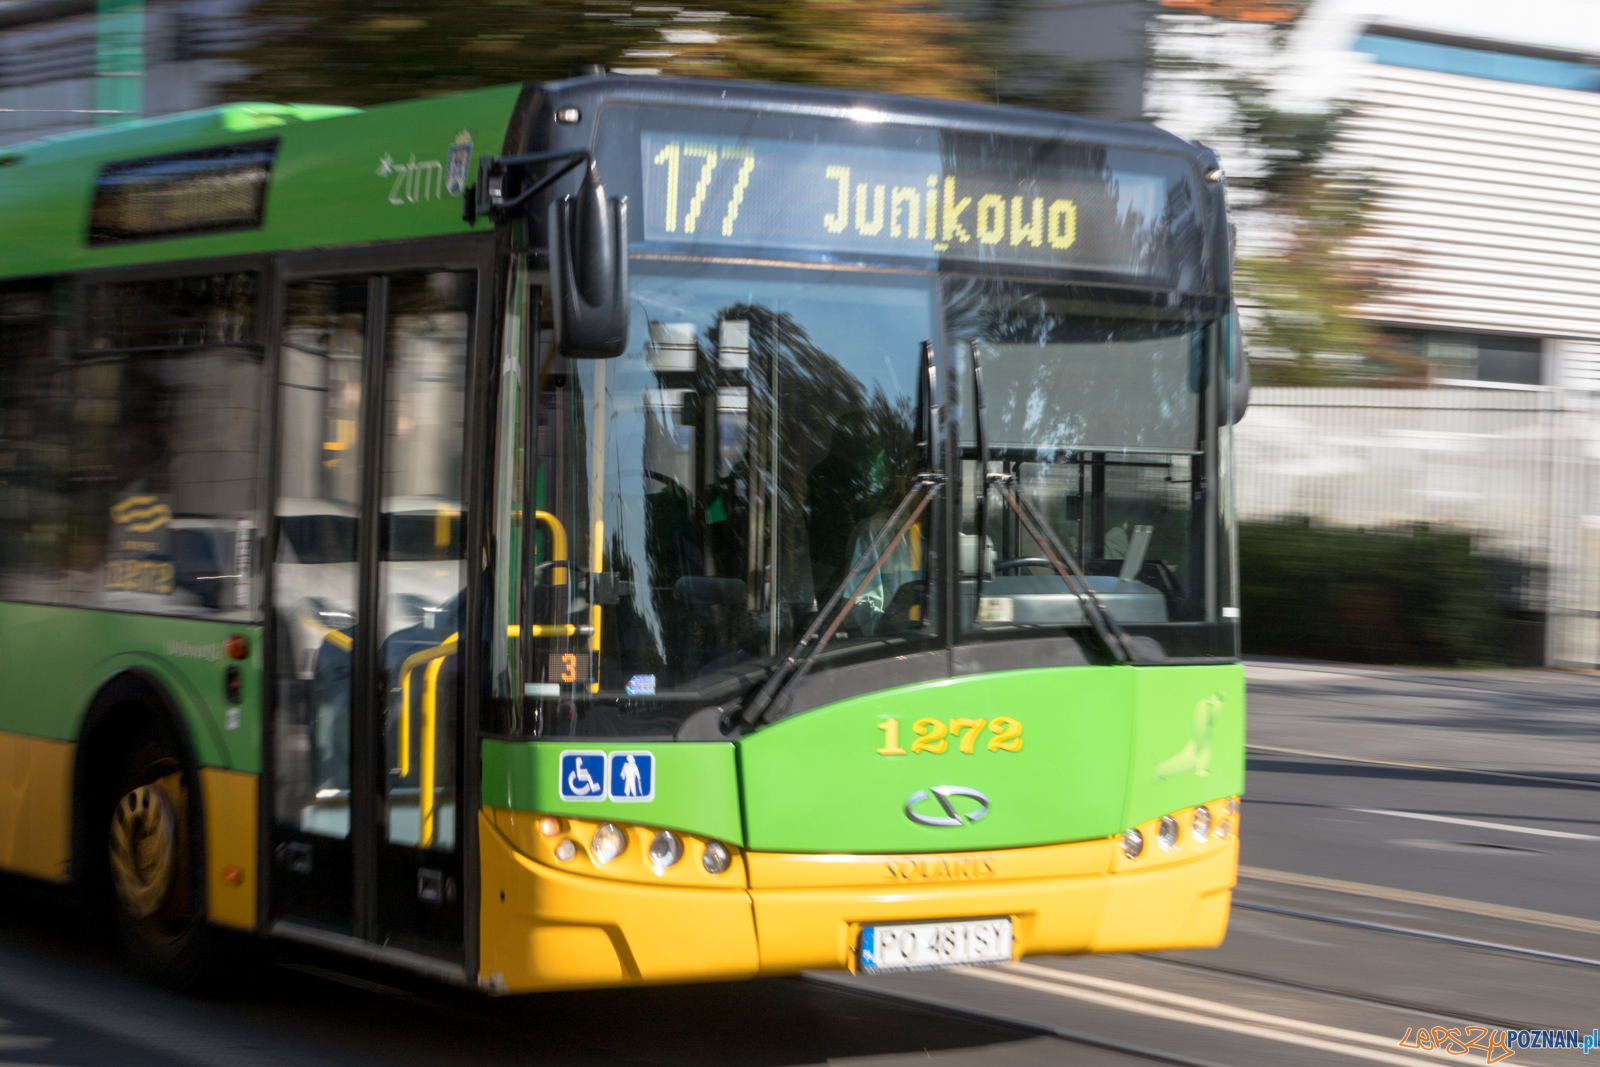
<point x="1022" y="561"/>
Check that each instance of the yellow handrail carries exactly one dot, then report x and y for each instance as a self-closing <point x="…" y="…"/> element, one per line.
<point x="558" y="545"/>
<point x="439" y="652"/>
<point x="336" y="638"/>
<point x="444" y="649"/>
<point x="434" y="657"/>
<point x="562" y="630"/>
<point x="595" y="570"/>
<point x="430" y="730"/>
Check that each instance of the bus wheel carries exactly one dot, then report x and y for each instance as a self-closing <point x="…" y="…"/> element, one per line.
<point x="157" y="892"/>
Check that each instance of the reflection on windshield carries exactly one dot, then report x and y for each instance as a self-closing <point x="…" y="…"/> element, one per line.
<point x="733" y="462"/>
<point x="1098" y="415"/>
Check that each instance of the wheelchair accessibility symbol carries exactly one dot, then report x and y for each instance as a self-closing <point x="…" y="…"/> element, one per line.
<point x="583" y="775"/>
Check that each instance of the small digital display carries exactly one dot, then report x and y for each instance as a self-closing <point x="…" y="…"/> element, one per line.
<point x="1019" y="203"/>
<point x="213" y="190"/>
<point x="569" y="668"/>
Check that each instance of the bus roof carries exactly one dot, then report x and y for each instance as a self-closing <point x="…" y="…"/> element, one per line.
<point x="340" y="176"/>
<point x="859" y="106"/>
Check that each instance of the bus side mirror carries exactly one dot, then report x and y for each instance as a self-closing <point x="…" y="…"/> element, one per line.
<point x="1238" y="364"/>
<point x="1239" y="388"/>
<point x="589" y="271"/>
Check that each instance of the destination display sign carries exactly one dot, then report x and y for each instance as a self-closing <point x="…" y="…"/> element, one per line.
<point x="842" y="200"/>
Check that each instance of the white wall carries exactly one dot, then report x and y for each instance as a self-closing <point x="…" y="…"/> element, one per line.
<point x="1490" y="211"/>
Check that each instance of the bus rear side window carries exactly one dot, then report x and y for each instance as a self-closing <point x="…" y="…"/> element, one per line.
<point x="140" y="448"/>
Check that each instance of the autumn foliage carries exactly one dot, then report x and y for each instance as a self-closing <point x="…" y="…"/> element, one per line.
<point x="360" y="54"/>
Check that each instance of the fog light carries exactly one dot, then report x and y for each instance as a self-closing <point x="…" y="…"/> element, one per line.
<point x="716" y="858"/>
<point x="1224" y="829"/>
<point x="549" y="827"/>
<point x="1200" y="825"/>
<point x="566" y="850"/>
<point x="665" y="850"/>
<point x="608" y="843"/>
<point x="1167" y="835"/>
<point x="1132" y="844"/>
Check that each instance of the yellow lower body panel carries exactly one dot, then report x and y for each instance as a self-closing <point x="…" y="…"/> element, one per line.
<point x="230" y="806"/>
<point x="547" y="928"/>
<point x="549" y="925"/>
<point x="36" y="806"/>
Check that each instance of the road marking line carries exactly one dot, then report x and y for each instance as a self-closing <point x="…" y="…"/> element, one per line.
<point x="1214" y="1022"/>
<point x="1426" y="900"/>
<point x="1475" y="822"/>
<point x="1545" y="779"/>
<point x="13" y="1042"/>
<point x="1164" y="997"/>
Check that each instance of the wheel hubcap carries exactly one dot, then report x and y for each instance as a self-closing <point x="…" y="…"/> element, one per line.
<point x="143" y="849"/>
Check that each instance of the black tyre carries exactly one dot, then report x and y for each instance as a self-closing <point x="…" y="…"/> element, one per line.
<point x="156" y="876"/>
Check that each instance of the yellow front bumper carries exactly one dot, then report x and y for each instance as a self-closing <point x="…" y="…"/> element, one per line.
<point x="546" y="924"/>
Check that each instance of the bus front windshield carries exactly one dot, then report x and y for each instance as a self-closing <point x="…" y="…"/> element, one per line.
<point x="734" y="463"/>
<point x="722" y="477"/>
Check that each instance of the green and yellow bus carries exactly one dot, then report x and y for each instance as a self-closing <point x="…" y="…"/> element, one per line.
<point x="622" y="530"/>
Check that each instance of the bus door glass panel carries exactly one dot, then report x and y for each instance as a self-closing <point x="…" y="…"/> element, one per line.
<point x="1097" y="414"/>
<point x="421" y="576"/>
<point x="316" y="574"/>
<point x="723" y="474"/>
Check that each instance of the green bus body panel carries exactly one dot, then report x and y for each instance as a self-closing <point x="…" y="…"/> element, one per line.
<point x="696" y="784"/>
<point x="336" y="179"/>
<point x="1188" y="744"/>
<point x="1103" y="749"/>
<point x="817" y="782"/>
<point x="53" y="660"/>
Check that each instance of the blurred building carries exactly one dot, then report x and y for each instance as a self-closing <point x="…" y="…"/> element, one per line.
<point x="1487" y="152"/>
<point x="1479" y="126"/>
<point x="58" y="59"/>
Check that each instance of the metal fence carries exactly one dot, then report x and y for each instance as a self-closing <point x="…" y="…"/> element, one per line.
<point x="1518" y="468"/>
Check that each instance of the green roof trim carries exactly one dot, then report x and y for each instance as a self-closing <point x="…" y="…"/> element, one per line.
<point x="262" y="116"/>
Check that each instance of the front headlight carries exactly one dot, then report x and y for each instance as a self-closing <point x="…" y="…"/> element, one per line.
<point x="666" y="848"/>
<point x="608" y="843"/>
<point x="716" y="858"/>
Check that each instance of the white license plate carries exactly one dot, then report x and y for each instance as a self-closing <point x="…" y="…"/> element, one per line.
<point x="914" y="946"/>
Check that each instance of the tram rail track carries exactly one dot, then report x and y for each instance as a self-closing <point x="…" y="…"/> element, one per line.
<point x="1444" y="1015"/>
<point x="1076" y="1037"/>
<point x="1429" y="935"/>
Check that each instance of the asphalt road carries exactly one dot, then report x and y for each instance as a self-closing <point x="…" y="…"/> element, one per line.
<point x="1445" y="874"/>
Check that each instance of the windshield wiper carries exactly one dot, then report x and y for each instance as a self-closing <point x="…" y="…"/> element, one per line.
<point x="793" y="668"/>
<point x="797" y="663"/>
<point x="1009" y="486"/>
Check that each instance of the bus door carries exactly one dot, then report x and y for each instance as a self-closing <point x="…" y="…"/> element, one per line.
<point x="368" y="593"/>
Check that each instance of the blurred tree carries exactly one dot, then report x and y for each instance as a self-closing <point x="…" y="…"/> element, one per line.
<point x="1020" y="75"/>
<point x="1307" y="285"/>
<point x="1302" y="277"/>
<point x="380" y="50"/>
